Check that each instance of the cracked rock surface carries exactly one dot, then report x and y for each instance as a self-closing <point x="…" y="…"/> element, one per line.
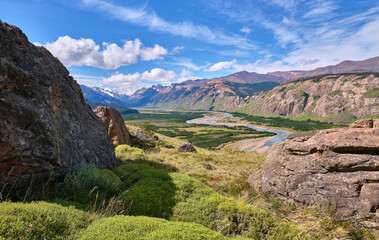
<point x="336" y="167"/>
<point x="46" y="127"/>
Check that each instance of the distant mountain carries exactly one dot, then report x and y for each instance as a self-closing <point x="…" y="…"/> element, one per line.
<point x="143" y="96"/>
<point x="205" y="94"/>
<point x="96" y="96"/>
<point x="334" y="97"/>
<point x="235" y="91"/>
<point x="368" y="65"/>
<point x="103" y="95"/>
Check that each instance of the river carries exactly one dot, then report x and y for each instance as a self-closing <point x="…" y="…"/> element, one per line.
<point x="281" y="135"/>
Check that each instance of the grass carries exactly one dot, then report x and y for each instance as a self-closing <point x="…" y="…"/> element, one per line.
<point x="372" y="93"/>
<point x="178" y="197"/>
<point x="285" y="122"/>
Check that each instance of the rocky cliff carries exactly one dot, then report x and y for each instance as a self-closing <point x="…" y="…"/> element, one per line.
<point x="114" y="124"/>
<point x="336" y="167"/>
<point x="337" y="97"/>
<point x="46" y="127"/>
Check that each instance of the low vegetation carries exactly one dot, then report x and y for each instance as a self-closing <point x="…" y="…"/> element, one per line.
<point x="173" y="124"/>
<point x="162" y="194"/>
<point x="146" y="228"/>
<point x="285" y="122"/>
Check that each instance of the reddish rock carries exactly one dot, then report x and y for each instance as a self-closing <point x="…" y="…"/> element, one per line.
<point x="365" y="123"/>
<point x="114" y="124"/>
<point x="46" y="127"/>
<point x="337" y="167"/>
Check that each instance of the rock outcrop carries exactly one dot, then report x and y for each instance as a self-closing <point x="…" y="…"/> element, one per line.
<point x="365" y="123"/>
<point x="336" y="167"/>
<point x="187" y="147"/>
<point x="46" y="127"/>
<point x="114" y="124"/>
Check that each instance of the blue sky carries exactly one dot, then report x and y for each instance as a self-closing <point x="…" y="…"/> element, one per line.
<point x="126" y="45"/>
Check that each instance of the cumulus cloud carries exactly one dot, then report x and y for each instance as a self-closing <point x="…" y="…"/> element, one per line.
<point x="85" y="52"/>
<point x="125" y="83"/>
<point x="159" y="75"/>
<point x="156" y="52"/>
<point x="221" y="65"/>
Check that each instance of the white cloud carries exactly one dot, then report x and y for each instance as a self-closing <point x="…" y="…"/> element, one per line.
<point x="185" y="73"/>
<point x="153" y="22"/>
<point x="128" y="83"/>
<point x="245" y="30"/>
<point x="149" y="54"/>
<point x="319" y="9"/>
<point x="158" y="75"/>
<point x="176" y="49"/>
<point x="220" y="65"/>
<point x="187" y="63"/>
<point x="288" y="21"/>
<point x="86" y="52"/>
<point x="260" y="66"/>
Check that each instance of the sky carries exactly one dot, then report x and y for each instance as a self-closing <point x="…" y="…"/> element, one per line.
<point x="128" y="44"/>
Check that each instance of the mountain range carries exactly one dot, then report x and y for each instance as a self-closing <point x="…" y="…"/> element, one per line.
<point x="238" y="91"/>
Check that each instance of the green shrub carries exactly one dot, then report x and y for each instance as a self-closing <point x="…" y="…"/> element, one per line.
<point x="126" y="152"/>
<point x="151" y="192"/>
<point x="178" y="197"/>
<point x="129" y="227"/>
<point x="89" y="181"/>
<point x="40" y="220"/>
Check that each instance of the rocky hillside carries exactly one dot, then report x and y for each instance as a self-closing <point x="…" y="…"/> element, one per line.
<point x="223" y="93"/>
<point x="368" y="65"/>
<point x="335" y="97"/>
<point x="46" y="127"/>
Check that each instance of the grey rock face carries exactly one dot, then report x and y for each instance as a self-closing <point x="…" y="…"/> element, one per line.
<point x="337" y="167"/>
<point x="46" y="128"/>
<point x="187" y="147"/>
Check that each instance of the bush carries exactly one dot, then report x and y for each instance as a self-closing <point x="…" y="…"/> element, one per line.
<point x="40" y="220"/>
<point x="89" y="181"/>
<point x="128" y="227"/>
<point x="151" y="192"/>
<point x="178" y="197"/>
<point x="127" y="153"/>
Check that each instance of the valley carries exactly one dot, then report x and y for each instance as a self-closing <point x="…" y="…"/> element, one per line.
<point x="283" y="155"/>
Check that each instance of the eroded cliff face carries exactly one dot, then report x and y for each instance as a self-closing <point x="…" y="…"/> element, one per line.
<point x="335" y="167"/>
<point x="46" y="128"/>
<point x="325" y="96"/>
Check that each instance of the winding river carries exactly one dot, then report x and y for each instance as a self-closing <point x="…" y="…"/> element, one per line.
<point x="281" y="135"/>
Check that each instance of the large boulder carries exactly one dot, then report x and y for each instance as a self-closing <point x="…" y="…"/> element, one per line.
<point x="114" y="124"/>
<point x="46" y="127"/>
<point x="187" y="147"/>
<point x="365" y="123"/>
<point x="336" y="167"/>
